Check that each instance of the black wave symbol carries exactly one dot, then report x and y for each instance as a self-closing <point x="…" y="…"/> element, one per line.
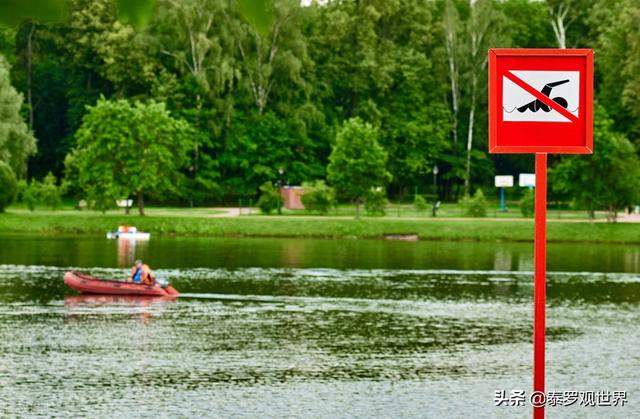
<point x="537" y="105"/>
<point x="513" y="109"/>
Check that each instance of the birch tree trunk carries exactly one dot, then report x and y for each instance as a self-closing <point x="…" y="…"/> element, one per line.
<point x="559" y="23"/>
<point x="472" y="111"/>
<point x="261" y="79"/>
<point x="479" y="25"/>
<point x="30" y="72"/>
<point x="450" y="28"/>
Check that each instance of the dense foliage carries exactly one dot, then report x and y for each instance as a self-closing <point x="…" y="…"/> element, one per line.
<point x="607" y="179"/>
<point x="357" y="163"/>
<point x="476" y="205"/>
<point x="318" y="197"/>
<point x="16" y="142"/>
<point x="125" y="149"/>
<point x="262" y="92"/>
<point x="8" y="186"/>
<point x="270" y="199"/>
<point x="527" y="204"/>
<point x="420" y="203"/>
<point x="50" y="192"/>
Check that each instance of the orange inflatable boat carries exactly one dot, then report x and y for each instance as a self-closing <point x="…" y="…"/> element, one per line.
<point x="91" y="285"/>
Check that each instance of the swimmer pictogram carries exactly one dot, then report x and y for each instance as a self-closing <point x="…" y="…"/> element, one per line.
<point x="536" y="105"/>
<point x="560" y="87"/>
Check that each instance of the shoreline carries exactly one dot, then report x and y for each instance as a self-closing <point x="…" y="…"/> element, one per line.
<point x="428" y="229"/>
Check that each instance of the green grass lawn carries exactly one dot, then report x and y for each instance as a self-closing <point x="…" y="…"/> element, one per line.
<point x="196" y="222"/>
<point x="68" y="210"/>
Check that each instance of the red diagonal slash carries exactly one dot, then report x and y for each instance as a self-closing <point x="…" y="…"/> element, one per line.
<point x="542" y="98"/>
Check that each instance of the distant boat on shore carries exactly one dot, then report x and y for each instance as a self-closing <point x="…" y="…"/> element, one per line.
<point x="128" y="233"/>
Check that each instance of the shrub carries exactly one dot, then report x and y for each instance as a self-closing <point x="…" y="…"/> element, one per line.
<point x="527" y="203"/>
<point x="420" y="204"/>
<point x="31" y="195"/>
<point x="270" y="198"/>
<point x="318" y="197"/>
<point x="8" y="186"/>
<point x="50" y="192"/>
<point x="21" y="189"/>
<point x="475" y="206"/>
<point x="375" y="202"/>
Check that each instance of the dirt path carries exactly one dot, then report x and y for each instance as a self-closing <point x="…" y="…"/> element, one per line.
<point x="228" y="212"/>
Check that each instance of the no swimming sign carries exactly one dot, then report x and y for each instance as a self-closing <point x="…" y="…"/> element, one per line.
<point x="540" y="101"/>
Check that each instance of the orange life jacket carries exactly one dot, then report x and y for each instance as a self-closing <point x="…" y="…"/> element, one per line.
<point x="146" y="276"/>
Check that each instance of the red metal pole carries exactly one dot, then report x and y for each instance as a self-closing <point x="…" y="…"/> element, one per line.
<point x="540" y="279"/>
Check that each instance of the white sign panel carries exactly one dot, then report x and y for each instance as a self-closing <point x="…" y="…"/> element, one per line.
<point x="527" y="180"/>
<point x="563" y="87"/>
<point x="504" y="181"/>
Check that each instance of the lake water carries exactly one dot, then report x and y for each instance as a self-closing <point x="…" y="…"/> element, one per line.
<point x="312" y="328"/>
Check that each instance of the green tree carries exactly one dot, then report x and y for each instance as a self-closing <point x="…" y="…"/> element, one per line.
<point x="484" y="28"/>
<point x="566" y="18"/>
<point x="16" y="141"/>
<point x="272" y="59"/>
<point x="267" y="84"/>
<point x="379" y="60"/>
<point x="8" y="43"/>
<point x="608" y="178"/>
<point x="126" y="149"/>
<point x="611" y="21"/>
<point x="197" y="79"/>
<point x="8" y="186"/>
<point x="137" y="12"/>
<point x="258" y="147"/>
<point x="528" y="25"/>
<point x="357" y="164"/>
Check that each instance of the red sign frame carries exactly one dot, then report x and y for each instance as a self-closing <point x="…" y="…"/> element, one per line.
<point x="575" y="137"/>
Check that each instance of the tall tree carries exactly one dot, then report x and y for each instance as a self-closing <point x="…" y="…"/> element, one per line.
<point x="17" y="143"/>
<point x="559" y="12"/>
<point x="272" y="57"/>
<point x="616" y="26"/>
<point x="484" y="29"/>
<point x="606" y="179"/>
<point x="565" y="14"/>
<point x="193" y="34"/>
<point x="451" y="22"/>
<point x="357" y="165"/>
<point x="128" y="149"/>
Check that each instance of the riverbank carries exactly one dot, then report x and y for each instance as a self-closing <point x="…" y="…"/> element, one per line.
<point x="319" y="227"/>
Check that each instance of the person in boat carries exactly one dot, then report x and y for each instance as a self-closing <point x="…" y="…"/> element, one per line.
<point x="141" y="273"/>
<point x="127" y="229"/>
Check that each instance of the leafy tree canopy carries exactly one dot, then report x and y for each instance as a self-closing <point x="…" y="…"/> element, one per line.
<point x="606" y="179"/>
<point x="357" y="164"/>
<point x="16" y="141"/>
<point x="125" y="149"/>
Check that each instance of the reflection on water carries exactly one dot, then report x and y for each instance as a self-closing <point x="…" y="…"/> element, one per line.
<point x="127" y="251"/>
<point x="138" y="307"/>
<point x="190" y="252"/>
<point x="273" y="342"/>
